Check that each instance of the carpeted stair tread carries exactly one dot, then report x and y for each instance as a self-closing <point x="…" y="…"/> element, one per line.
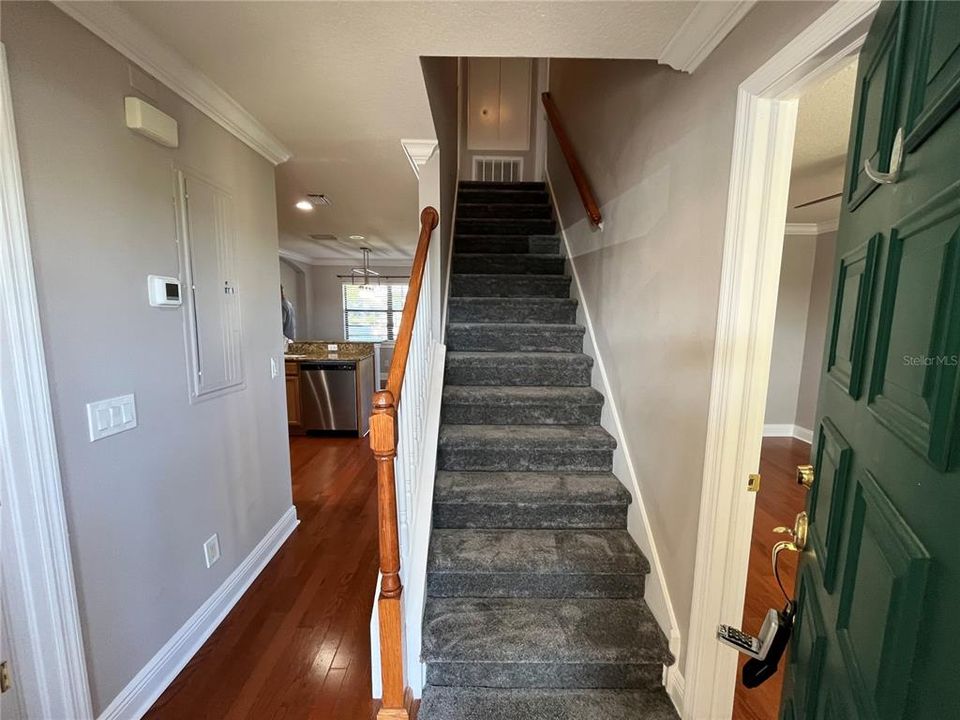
<point x="462" y="703"/>
<point x="543" y="563"/>
<point x="542" y="630"/>
<point x="526" y="436"/>
<point x="509" y="263"/>
<point x="525" y="488"/>
<point x="520" y="405"/>
<point x="507" y="285"/>
<point x="503" y="185"/>
<point x="472" y="208"/>
<point x="506" y="196"/>
<point x="510" y="244"/>
<point x="514" y="337"/>
<point x="513" y="310"/>
<point x="517" y="368"/>
<point x="548" y="552"/>
<point x="505" y="226"/>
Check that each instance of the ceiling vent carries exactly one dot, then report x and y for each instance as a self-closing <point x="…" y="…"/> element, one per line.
<point x="319" y="199"/>
<point x="323" y="237"/>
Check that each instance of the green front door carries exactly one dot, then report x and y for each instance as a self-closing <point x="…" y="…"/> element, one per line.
<point x="877" y="633"/>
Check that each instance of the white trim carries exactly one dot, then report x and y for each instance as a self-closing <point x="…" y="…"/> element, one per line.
<point x="675" y="687"/>
<point x="788" y="430"/>
<point x="540" y="141"/>
<point x="138" y="43"/>
<point x="40" y="573"/>
<point x="147" y="685"/>
<point x="811" y="228"/>
<point x="296" y="257"/>
<point x="478" y="160"/>
<point x="341" y="261"/>
<point x="418" y="152"/>
<point x="657" y="596"/>
<point x="705" y="27"/>
<point x="753" y="244"/>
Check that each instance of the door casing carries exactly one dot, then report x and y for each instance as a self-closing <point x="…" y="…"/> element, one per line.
<point x="753" y="245"/>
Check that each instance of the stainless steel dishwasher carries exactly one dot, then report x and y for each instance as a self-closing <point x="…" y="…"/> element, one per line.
<point x="328" y="394"/>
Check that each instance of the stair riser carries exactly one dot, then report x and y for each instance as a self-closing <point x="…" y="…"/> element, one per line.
<point x="529" y="515"/>
<point x="499" y="414"/>
<point x="478" y="226"/>
<point x="538" y="374"/>
<point x="518" y="286"/>
<point x="497" y="338"/>
<point x="504" y="210"/>
<point x="538" y="244"/>
<point x="558" y="459"/>
<point x="503" y="197"/>
<point x="545" y="675"/>
<point x="509" y="264"/>
<point x="531" y="585"/>
<point x="511" y="310"/>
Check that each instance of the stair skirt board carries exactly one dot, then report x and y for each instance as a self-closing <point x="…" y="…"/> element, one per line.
<point x="535" y="589"/>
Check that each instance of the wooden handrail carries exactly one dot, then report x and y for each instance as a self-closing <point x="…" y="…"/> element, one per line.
<point x="576" y="169"/>
<point x="383" y="442"/>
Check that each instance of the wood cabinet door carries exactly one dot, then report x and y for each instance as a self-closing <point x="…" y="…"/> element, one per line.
<point x="293" y="399"/>
<point x="879" y="582"/>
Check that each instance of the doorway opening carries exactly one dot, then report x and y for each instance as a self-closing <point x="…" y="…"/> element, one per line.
<point x="799" y="337"/>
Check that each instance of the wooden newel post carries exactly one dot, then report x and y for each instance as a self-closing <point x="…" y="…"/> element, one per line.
<point x="383" y="442"/>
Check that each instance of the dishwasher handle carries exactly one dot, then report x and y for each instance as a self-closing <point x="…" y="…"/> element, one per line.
<point x="327" y="366"/>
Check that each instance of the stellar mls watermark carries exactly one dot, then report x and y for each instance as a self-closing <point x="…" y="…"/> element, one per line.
<point x="932" y="360"/>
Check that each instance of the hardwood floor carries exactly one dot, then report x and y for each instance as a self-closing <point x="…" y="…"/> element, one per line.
<point x="297" y="644"/>
<point x="779" y="500"/>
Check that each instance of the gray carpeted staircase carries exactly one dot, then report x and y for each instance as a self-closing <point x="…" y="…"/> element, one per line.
<point x="534" y="604"/>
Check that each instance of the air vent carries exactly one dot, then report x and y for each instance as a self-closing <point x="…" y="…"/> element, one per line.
<point x="319" y="199"/>
<point x="492" y="168"/>
<point x="323" y="237"/>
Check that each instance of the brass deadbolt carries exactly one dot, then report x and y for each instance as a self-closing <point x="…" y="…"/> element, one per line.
<point x="805" y="476"/>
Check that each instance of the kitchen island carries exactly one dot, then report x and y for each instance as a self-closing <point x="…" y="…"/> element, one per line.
<point x="330" y="386"/>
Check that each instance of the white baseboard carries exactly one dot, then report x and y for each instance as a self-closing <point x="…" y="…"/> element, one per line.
<point x="675" y="684"/>
<point x="787" y="430"/>
<point x="638" y="523"/>
<point x="140" y="693"/>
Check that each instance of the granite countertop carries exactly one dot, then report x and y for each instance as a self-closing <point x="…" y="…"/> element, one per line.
<point x="314" y="350"/>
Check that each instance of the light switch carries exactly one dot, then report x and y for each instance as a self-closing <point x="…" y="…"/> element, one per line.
<point x="112" y="416"/>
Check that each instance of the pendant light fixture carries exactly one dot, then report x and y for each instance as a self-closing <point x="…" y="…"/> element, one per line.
<point x="365" y="272"/>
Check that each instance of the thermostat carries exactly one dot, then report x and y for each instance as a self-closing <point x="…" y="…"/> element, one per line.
<point x="164" y="291"/>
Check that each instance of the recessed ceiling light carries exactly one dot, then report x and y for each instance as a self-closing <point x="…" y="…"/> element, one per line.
<point x="357" y="237"/>
<point x="304" y="205"/>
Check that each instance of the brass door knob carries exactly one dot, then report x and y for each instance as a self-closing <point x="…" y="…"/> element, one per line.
<point x="798" y="535"/>
<point x="805" y="476"/>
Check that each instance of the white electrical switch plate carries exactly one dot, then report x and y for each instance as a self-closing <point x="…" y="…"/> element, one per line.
<point x="112" y="416"/>
<point x="274" y="368"/>
<point x="332" y="348"/>
<point x="211" y="550"/>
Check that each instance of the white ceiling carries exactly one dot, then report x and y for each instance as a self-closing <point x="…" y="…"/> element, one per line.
<point x="339" y="83"/>
<point x="820" y="147"/>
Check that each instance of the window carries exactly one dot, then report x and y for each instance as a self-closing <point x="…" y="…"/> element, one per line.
<point x="371" y="313"/>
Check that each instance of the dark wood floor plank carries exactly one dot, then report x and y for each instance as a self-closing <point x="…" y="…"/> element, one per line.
<point x="778" y="502"/>
<point x="297" y="645"/>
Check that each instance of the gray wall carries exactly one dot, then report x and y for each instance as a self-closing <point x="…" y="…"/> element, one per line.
<point x="790" y="329"/>
<point x="327" y="297"/>
<point x="656" y="145"/>
<point x="816" y="336"/>
<point x="99" y="204"/>
<point x="441" y="78"/>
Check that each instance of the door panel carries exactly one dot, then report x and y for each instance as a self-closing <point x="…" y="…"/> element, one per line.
<point x="828" y="498"/>
<point x="936" y="84"/>
<point x="852" y="300"/>
<point x="881" y="602"/>
<point x="878" y="98"/>
<point x="882" y="570"/>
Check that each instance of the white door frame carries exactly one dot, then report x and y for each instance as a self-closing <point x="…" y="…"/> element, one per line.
<point x="38" y="580"/>
<point x="753" y="245"/>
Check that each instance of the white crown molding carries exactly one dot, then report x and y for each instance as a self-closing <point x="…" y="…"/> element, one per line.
<point x="418" y="152"/>
<point x="118" y="29"/>
<point x="296" y="257"/>
<point x="705" y="28"/>
<point x="811" y="228"/>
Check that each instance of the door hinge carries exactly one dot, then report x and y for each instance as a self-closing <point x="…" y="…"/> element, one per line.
<point x="5" y="682"/>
